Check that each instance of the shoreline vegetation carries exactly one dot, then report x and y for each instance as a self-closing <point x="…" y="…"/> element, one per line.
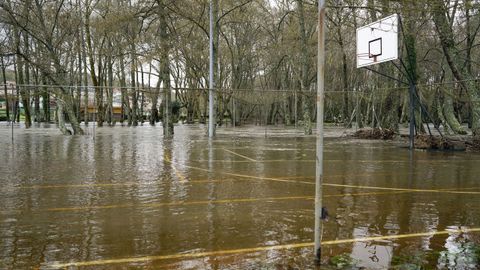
<point x="75" y="62"/>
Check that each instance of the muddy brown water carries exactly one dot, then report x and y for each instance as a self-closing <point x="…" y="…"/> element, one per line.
<point x="126" y="198"/>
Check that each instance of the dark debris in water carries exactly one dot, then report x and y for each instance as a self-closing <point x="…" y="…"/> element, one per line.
<point x="375" y="134"/>
<point x="473" y="145"/>
<point x="437" y="143"/>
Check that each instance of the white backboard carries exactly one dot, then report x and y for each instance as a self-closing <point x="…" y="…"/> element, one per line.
<point x="377" y="42"/>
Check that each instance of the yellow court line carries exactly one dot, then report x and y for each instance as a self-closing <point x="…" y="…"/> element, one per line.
<point x="288" y="179"/>
<point x="177" y="172"/>
<point x="84" y="185"/>
<point x="237" y="154"/>
<point x="329" y="160"/>
<point x="177" y="203"/>
<point x="406" y="189"/>
<point x="119" y="184"/>
<point x="337" y="185"/>
<point x="250" y="161"/>
<point x="366" y="194"/>
<point x="347" y="175"/>
<point x="267" y="178"/>
<point x="399" y="236"/>
<point x="445" y="190"/>
<point x="247" y="176"/>
<point x="146" y="184"/>
<point x="114" y="206"/>
<point x="252" y="250"/>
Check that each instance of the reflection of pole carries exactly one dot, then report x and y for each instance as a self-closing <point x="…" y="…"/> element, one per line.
<point x="320" y="111"/>
<point x="211" y="116"/>
<point x="412" y="115"/>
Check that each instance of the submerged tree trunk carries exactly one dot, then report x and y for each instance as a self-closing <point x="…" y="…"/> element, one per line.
<point x="61" y="118"/>
<point x="125" y="99"/>
<point x="165" y="71"/>
<point x="154" y="109"/>
<point x="45" y="100"/>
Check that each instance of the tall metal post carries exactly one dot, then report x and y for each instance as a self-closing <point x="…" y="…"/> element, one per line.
<point x="412" y="115"/>
<point x="320" y="112"/>
<point x="295" y="107"/>
<point x="211" y="112"/>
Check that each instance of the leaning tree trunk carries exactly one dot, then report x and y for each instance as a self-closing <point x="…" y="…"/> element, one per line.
<point x="72" y="116"/>
<point x="61" y="118"/>
<point x="449" y="114"/>
<point x="451" y="53"/>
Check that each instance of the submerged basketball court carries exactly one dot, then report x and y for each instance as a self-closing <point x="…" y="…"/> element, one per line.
<point x="127" y="198"/>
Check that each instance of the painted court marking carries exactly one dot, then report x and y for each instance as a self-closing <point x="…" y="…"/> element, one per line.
<point x="254" y="249"/>
<point x="237" y="154"/>
<point x="245" y="200"/>
<point x="335" y="160"/>
<point x="339" y="185"/>
<point x="406" y="189"/>
<point x="178" y="203"/>
<point x="445" y="190"/>
<point x="225" y="201"/>
<point x="177" y="172"/>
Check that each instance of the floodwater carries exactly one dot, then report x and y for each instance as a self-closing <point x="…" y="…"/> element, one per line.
<point x="127" y="198"/>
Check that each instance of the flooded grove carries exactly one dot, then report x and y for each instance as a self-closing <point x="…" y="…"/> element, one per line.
<point x="127" y="198"/>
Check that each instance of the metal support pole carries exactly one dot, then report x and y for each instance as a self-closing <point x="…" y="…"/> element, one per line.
<point x="14" y="114"/>
<point x="295" y="107"/>
<point x="320" y="112"/>
<point x="234" y="113"/>
<point x="167" y="113"/>
<point x="94" y="115"/>
<point x="211" y="112"/>
<point x="412" y="115"/>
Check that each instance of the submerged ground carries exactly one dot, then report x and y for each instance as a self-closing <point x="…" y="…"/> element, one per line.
<point x="128" y="198"/>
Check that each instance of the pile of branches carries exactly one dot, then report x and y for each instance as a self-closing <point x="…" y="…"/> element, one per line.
<point x="433" y="143"/>
<point x="473" y="145"/>
<point x="375" y="134"/>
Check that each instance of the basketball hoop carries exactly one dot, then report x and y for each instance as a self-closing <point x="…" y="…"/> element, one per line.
<point x="377" y="42"/>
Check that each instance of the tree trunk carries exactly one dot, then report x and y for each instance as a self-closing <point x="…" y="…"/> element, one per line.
<point x="448" y="113"/>
<point x="45" y="100"/>
<point x="21" y="68"/>
<point x="61" y="118"/>
<point x="5" y="89"/>
<point x="165" y="71"/>
<point x="133" y="91"/>
<point x="93" y="75"/>
<point x="452" y="54"/>
<point x="109" y="111"/>
<point x="304" y="84"/>
<point x="85" y="77"/>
